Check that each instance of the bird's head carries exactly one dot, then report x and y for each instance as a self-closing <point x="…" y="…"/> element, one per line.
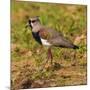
<point x="32" y="22"/>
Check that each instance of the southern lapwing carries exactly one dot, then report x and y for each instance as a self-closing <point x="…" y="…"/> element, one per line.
<point x="48" y="36"/>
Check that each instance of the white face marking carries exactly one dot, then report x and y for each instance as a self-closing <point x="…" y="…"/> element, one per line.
<point x="45" y="42"/>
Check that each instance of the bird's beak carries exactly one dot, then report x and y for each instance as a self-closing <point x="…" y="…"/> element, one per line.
<point x="27" y="25"/>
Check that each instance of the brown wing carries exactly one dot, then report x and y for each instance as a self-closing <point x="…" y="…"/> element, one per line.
<point x="43" y="33"/>
<point x="55" y="38"/>
<point x="48" y="33"/>
<point x="62" y="42"/>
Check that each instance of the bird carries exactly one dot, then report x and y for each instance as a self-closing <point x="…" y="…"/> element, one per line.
<point x="47" y="36"/>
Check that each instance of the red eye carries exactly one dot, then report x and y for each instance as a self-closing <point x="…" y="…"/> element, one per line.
<point x="33" y="21"/>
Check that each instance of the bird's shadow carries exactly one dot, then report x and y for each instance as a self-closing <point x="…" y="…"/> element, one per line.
<point x="56" y="66"/>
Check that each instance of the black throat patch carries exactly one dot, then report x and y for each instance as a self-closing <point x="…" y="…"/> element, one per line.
<point x="37" y="37"/>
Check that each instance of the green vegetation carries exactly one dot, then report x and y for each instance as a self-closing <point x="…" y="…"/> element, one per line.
<point x="68" y="19"/>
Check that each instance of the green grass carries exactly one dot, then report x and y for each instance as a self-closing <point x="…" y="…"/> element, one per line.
<point x="57" y="16"/>
<point x="68" y="19"/>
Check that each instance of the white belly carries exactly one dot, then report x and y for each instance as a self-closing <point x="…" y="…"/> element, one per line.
<point x="45" y="42"/>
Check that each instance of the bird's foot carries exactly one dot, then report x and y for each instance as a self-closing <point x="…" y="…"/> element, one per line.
<point x="74" y="63"/>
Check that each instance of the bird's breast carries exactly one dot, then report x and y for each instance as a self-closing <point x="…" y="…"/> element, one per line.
<point x="40" y="40"/>
<point x="45" y="42"/>
<point x="37" y="37"/>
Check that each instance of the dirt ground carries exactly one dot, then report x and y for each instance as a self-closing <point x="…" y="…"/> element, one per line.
<point x="27" y="57"/>
<point x="26" y="75"/>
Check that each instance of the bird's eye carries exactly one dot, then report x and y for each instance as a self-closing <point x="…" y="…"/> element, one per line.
<point x="33" y="21"/>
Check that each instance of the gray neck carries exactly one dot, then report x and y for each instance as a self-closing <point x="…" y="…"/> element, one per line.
<point x="36" y="27"/>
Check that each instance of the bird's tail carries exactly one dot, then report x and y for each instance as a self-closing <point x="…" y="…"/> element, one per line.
<point x="75" y="47"/>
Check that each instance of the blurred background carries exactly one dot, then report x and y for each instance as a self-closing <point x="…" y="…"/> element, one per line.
<point x="27" y="55"/>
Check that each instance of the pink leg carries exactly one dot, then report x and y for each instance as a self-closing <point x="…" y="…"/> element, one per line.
<point x="50" y="55"/>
